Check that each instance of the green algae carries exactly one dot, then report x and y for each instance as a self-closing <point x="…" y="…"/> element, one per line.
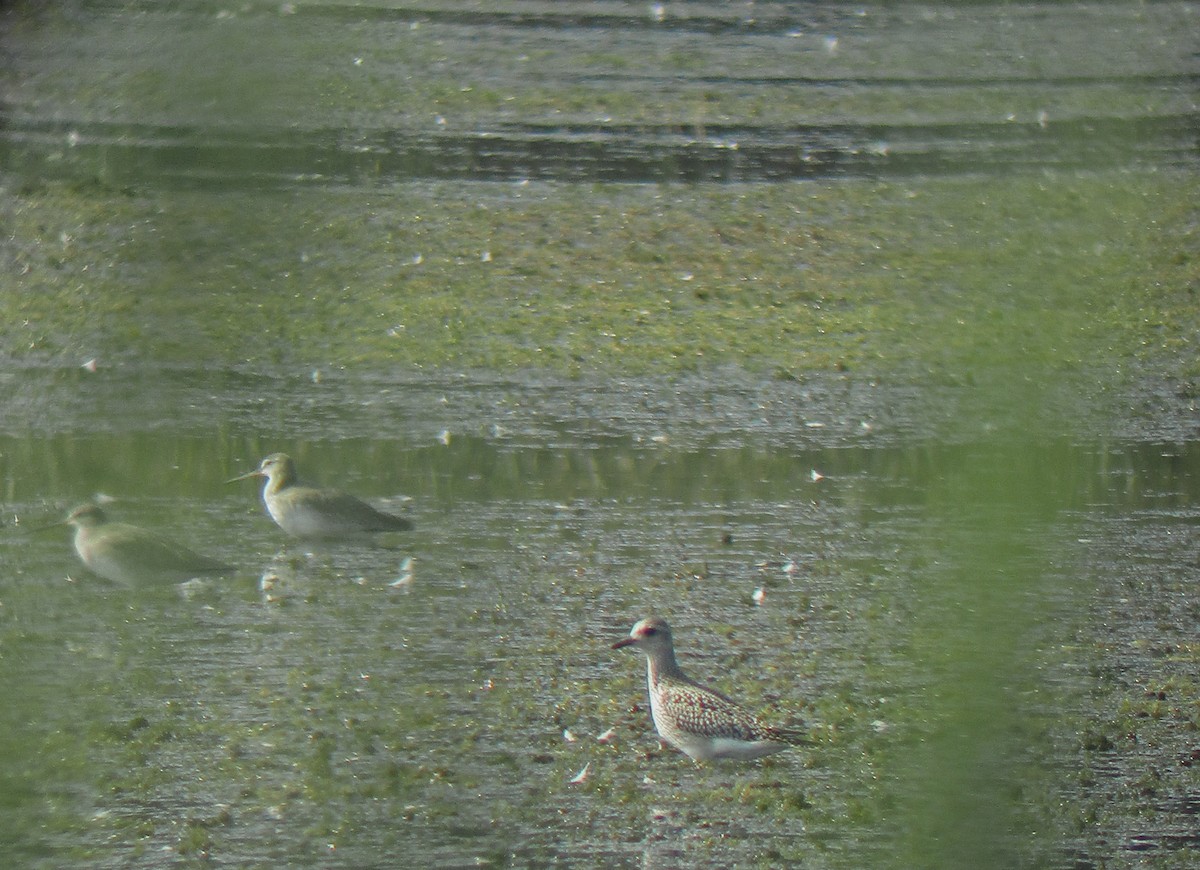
<point x="403" y="65"/>
<point x="917" y="281"/>
<point x="1036" y="275"/>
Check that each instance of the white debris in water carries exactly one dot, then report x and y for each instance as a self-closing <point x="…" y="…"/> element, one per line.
<point x="404" y="581"/>
<point x="606" y="736"/>
<point x="569" y="735"/>
<point x="582" y="775"/>
<point x="759" y="596"/>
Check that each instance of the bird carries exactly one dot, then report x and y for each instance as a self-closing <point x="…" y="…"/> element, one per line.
<point x="696" y="720"/>
<point x="308" y="512"/>
<point x="128" y="554"/>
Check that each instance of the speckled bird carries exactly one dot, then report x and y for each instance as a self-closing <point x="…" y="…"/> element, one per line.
<point x="698" y="721"/>
<point x="309" y="512"/>
<point x="129" y="554"/>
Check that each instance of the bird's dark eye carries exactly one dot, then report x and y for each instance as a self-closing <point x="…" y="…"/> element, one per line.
<point x="650" y="631"/>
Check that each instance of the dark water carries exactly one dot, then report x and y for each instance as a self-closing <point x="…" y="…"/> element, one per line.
<point x="982" y="602"/>
<point x="267" y="95"/>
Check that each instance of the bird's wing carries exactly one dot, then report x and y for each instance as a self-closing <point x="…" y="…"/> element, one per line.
<point x="354" y="511"/>
<point x="151" y="552"/>
<point x="700" y="709"/>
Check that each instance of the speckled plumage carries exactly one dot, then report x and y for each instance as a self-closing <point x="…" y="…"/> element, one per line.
<point x="129" y="554"/>
<point x="698" y="721"/>
<point x="308" y="512"/>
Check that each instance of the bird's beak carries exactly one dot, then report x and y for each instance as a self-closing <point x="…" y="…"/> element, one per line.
<point x="255" y="473"/>
<point x="623" y="642"/>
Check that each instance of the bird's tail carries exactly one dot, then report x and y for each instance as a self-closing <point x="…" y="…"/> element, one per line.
<point x="791" y="736"/>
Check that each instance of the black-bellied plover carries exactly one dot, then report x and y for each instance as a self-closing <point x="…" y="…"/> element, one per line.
<point x="695" y="719"/>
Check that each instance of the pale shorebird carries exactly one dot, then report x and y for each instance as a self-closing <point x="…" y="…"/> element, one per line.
<point x="308" y="512"/>
<point x="129" y="554"/>
<point x="694" y="719"/>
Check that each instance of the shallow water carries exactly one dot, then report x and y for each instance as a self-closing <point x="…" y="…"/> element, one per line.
<point x="300" y="94"/>
<point x="978" y="592"/>
<point x="334" y="719"/>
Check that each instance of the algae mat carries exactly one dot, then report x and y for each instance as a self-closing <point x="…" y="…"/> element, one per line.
<point x="857" y="341"/>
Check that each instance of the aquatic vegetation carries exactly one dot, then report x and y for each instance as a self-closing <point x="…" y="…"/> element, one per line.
<point x="940" y="280"/>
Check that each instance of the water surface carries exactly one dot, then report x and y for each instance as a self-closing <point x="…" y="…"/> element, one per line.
<point x="332" y="718"/>
<point x="973" y="579"/>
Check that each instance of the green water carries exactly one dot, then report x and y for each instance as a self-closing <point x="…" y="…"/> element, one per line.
<point x="856" y="342"/>
<point x="917" y="602"/>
